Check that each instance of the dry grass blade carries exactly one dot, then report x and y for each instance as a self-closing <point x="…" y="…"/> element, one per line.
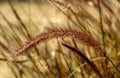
<point x="18" y="18"/>
<point x="22" y="61"/>
<point x="92" y="65"/>
<point x="3" y="46"/>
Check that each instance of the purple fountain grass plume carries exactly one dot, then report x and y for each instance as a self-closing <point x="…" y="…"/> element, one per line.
<point x="58" y="33"/>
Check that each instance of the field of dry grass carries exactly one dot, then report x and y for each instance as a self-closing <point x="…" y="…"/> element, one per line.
<point x="60" y="39"/>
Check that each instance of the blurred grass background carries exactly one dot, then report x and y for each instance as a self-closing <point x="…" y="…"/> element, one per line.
<point x="21" y="20"/>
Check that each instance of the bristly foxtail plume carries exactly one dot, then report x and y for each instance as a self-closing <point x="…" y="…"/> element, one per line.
<point x="58" y="33"/>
